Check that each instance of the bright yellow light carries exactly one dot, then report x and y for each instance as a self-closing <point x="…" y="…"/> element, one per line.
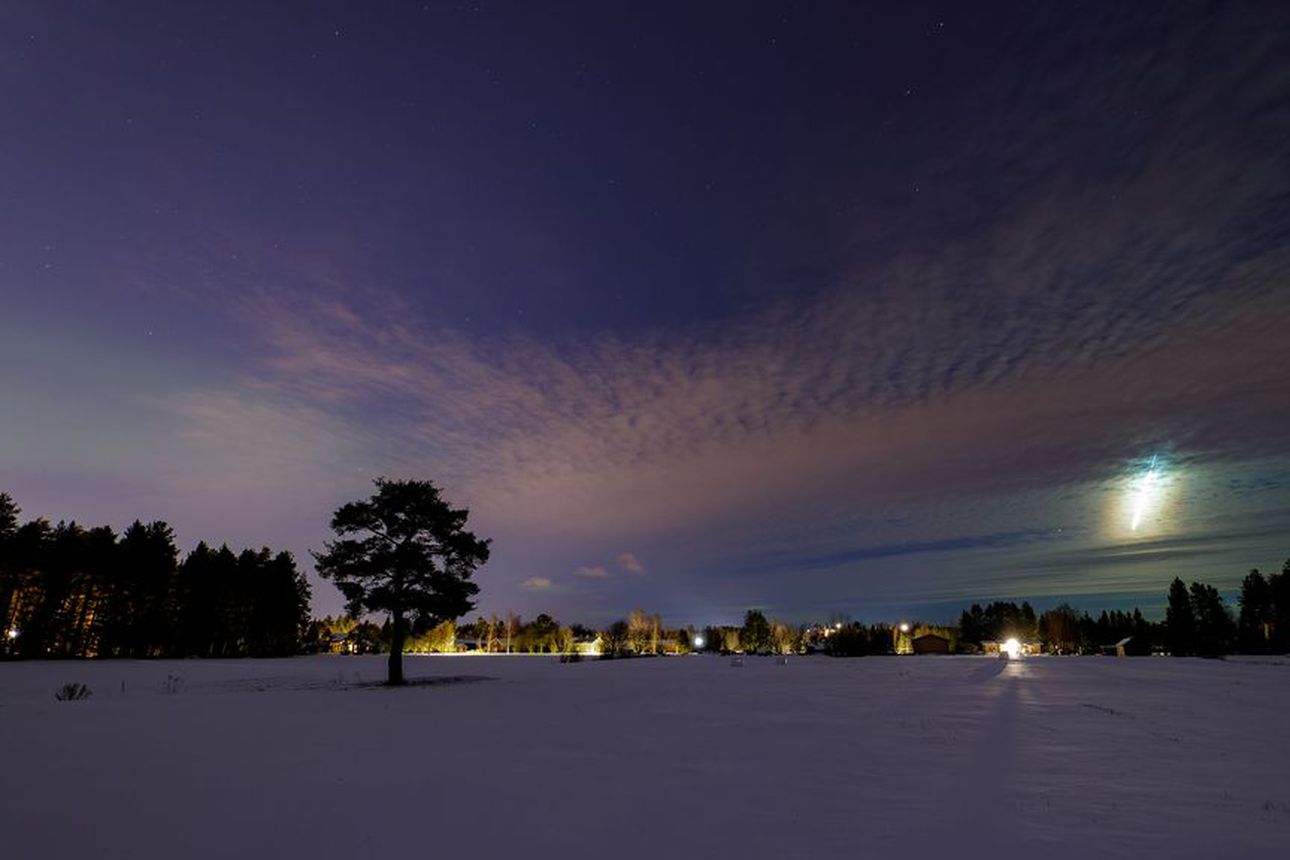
<point x="1012" y="648"/>
<point x="904" y="627"/>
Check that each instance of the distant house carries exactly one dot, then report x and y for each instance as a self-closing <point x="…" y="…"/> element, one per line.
<point x="931" y="643"/>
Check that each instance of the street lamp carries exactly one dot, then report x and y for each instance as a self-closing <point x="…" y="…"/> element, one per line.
<point x="698" y="643"/>
<point x="12" y="632"/>
<point x="903" y="645"/>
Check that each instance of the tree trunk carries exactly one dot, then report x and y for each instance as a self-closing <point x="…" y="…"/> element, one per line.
<point x="396" y="650"/>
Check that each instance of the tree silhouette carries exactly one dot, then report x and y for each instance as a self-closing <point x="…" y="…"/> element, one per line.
<point x="9" y="512"/>
<point x="755" y="636"/>
<point x="68" y="591"/>
<point x="1214" y="626"/>
<point x="141" y="602"/>
<point x="1059" y="629"/>
<point x="997" y="621"/>
<point x="614" y="638"/>
<point x="404" y="552"/>
<point x="1279" y="586"/>
<point x="1258" y="613"/>
<point x="972" y="625"/>
<point x="1180" y="622"/>
<point x="543" y="634"/>
<point x="9" y="571"/>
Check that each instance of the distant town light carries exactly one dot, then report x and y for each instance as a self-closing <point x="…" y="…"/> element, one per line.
<point x="904" y="627"/>
<point x="1012" y="648"/>
<point x="698" y="641"/>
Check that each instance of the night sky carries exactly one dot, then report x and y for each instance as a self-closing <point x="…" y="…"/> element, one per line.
<point x="873" y="309"/>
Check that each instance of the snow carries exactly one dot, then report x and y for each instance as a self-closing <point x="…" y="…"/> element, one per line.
<point x="1072" y="757"/>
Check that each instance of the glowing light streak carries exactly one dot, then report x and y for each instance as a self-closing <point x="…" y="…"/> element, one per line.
<point x="1143" y="495"/>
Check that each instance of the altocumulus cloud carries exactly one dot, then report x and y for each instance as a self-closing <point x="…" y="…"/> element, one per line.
<point x="592" y="572"/>
<point x="912" y="401"/>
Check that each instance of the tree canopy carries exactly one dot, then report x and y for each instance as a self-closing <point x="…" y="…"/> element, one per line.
<point x="70" y="591"/>
<point x="404" y="552"/>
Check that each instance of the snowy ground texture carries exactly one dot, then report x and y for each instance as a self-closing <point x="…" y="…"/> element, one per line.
<point x="687" y="756"/>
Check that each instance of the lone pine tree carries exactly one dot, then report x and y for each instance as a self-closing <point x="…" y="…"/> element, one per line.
<point x="404" y="552"/>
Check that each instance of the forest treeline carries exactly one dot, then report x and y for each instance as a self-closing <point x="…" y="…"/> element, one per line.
<point x="1198" y="622"/>
<point x="70" y="591"/>
<point x="640" y="634"/>
<point x="509" y="634"/>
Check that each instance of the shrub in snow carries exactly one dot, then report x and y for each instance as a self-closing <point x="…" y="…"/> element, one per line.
<point x="73" y="692"/>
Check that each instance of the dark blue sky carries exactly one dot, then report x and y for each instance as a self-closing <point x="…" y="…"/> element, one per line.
<point x="819" y="307"/>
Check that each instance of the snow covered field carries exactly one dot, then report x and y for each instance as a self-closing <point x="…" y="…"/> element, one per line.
<point x="892" y="757"/>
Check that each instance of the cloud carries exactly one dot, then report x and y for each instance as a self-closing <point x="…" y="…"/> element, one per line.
<point x="628" y="562"/>
<point x="799" y="423"/>
<point x="536" y="583"/>
<point x="1089" y="316"/>
<point x="617" y="437"/>
<point x="1103" y="315"/>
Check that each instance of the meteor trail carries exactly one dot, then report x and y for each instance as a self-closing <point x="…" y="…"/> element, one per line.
<point x="1145" y="484"/>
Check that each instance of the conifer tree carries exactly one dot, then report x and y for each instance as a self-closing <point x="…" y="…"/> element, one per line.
<point x="404" y="552"/>
<point x="1214" y="627"/>
<point x="1180" y="623"/>
<point x="1254" y="629"/>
